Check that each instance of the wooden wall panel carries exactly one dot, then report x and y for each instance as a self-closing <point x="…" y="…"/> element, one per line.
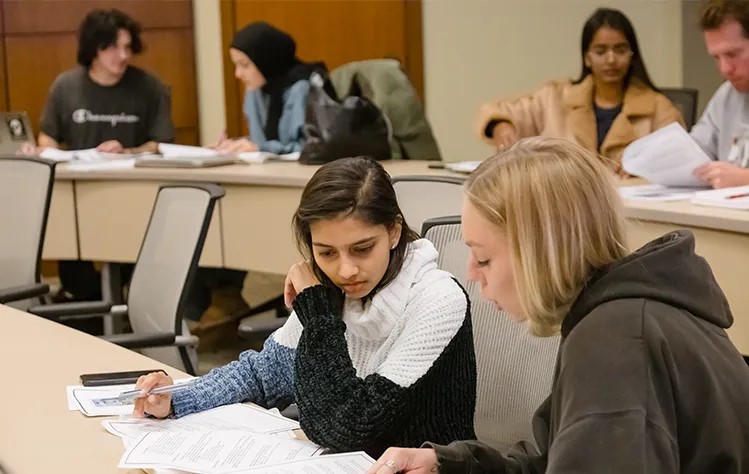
<point x="333" y="31"/>
<point x="39" y="42"/>
<point x="172" y="54"/>
<point x="49" y="16"/>
<point x="33" y="62"/>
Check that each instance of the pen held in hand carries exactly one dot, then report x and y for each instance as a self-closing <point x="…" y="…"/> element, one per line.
<point x="736" y="196"/>
<point x="132" y="395"/>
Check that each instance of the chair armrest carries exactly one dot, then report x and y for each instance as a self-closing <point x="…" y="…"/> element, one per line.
<point x="18" y="293"/>
<point x="141" y="341"/>
<point x="76" y="308"/>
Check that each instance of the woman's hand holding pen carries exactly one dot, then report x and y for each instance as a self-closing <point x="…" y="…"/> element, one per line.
<point x="156" y="405"/>
<point x="300" y="277"/>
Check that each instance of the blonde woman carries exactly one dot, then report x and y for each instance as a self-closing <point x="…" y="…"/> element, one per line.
<point x="646" y="378"/>
<point x="612" y="103"/>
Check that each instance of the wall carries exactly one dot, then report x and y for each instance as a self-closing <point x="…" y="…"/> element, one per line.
<point x="699" y="70"/>
<point x="476" y="50"/>
<point x="210" y="66"/>
<point x="39" y="42"/>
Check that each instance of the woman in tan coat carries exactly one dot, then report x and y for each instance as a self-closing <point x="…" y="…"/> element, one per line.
<point x="613" y="103"/>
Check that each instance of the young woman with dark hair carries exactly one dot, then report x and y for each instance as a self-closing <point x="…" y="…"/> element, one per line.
<point x="610" y="105"/>
<point x="379" y="348"/>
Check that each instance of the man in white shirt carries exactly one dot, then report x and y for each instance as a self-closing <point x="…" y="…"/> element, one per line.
<point x="723" y="129"/>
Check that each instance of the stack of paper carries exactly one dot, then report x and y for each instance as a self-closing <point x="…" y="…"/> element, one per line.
<point x="264" y="157"/>
<point x="217" y="451"/>
<point x="169" y="150"/>
<point x="667" y="156"/>
<point x="733" y="198"/>
<point x="463" y="166"/>
<point x="657" y="192"/>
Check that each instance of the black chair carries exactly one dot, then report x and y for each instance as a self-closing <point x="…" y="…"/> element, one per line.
<point x="25" y="195"/>
<point x="685" y="100"/>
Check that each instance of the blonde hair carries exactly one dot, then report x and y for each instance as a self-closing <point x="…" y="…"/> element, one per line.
<point x="560" y="210"/>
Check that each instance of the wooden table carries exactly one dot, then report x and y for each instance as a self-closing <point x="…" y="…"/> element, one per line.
<point x="37" y="432"/>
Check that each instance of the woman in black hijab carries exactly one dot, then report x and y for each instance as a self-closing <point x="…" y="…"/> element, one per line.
<point x="277" y="84"/>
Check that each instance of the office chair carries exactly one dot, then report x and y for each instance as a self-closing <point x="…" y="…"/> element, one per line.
<point x="514" y="369"/>
<point x="162" y="276"/>
<point x="686" y="101"/>
<point x="424" y="197"/>
<point x="25" y="195"/>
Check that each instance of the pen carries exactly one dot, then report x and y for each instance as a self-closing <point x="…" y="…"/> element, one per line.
<point x="130" y="395"/>
<point x="736" y="196"/>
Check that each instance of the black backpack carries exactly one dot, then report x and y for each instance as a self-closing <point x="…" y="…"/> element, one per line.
<point x="337" y="128"/>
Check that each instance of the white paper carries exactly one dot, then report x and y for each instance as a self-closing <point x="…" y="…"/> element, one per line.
<point x="228" y="417"/>
<point x="463" y="166"/>
<point x="87" y="399"/>
<point x="121" y="163"/>
<point x="213" y="451"/>
<point x="657" y="192"/>
<point x="89" y="155"/>
<point x="264" y="156"/>
<point x="78" y="393"/>
<point x="731" y="198"/>
<point x="57" y="155"/>
<point x="169" y="150"/>
<point x="667" y="156"/>
<point x="348" y="463"/>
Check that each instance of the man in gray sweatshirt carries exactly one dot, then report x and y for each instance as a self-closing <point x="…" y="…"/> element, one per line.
<point x="723" y="129"/>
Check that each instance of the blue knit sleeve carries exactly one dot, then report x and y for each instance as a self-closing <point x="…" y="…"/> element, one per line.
<point x="265" y="378"/>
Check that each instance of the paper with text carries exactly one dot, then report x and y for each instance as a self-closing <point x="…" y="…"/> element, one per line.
<point x="667" y="156"/>
<point x="348" y="463"/>
<point x="228" y="417"/>
<point x="212" y="452"/>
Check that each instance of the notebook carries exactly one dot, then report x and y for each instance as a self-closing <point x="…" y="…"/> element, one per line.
<point x="15" y="130"/>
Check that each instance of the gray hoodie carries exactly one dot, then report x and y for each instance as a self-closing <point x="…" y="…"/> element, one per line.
<point x="646" y="381"/>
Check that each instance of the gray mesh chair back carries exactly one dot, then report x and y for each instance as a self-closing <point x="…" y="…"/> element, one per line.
<point x="166" y="264"/>
<point x="514" y="369"/>
<point x="25" y="195"/>
<point x="686" y="101"/>
<point x="424" y="197"/>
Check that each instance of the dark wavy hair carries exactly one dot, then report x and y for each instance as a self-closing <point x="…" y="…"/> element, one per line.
<point x="618" y="21"/>
<point x="99" y="31"/>
<point x="358" y="187"/>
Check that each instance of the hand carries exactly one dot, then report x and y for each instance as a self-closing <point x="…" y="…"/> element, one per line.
<point x="299" y="278"/>
<point x="721" y="174"/>
<point x="406" y="461"/>
<point x="232" y="147"/>
<point x="110" y="146"/>
<point x="29" y="149"/>
<point x="504" y="135"/>
<point x="156" y="405"/>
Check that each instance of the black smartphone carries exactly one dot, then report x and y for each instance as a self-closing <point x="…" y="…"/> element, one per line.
<point x="114" y="378"/>
<point x="436" y="166"/>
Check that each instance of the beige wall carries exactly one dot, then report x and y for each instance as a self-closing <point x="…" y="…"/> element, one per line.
<point x="209" y="64"/>
<point x="476" y="50"/>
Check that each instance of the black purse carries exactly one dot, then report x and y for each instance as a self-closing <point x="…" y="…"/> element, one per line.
<point x="337" y="128"/>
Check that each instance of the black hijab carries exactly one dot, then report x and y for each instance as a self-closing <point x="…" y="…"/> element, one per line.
<point x="274" y="54"/>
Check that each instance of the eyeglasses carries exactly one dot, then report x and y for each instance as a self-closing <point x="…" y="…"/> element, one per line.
<point x="620" y="52"/>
